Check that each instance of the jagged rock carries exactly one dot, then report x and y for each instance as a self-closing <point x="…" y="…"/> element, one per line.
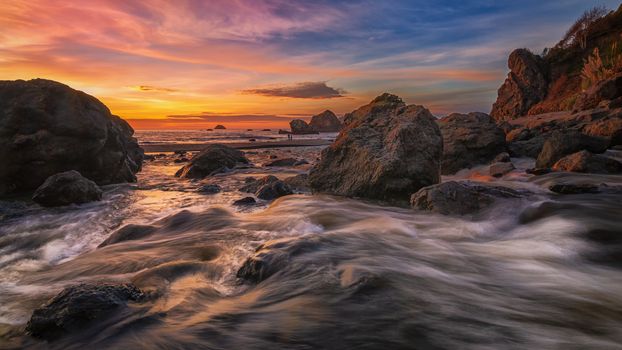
<point x="300" y="127"/>
<point x="386" y="150"/>
<point x="326" y="121"/>
<point x="500" y="169"/>
<point x="77" y="307"/>
<point x="67" y="188"/>
<point x="464" y="197"/>
<point x="48" y="128"/>
<point x="525" y="86"/>
<point x="469" y="140"/>
<point x="213" y="159"/>
<point x="587" y="162"/>
<point x="562" y="143"/>
<point x="128" y="233"/>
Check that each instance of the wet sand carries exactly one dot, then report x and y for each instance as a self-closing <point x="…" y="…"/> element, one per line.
<point x="150" y="148"/>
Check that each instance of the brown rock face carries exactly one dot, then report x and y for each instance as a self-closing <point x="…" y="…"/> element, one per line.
<point x="609" y="89"/>
<point x="469" y="140"/>
<point x="48" y="128"/>
<point x="562" y="143"/>
<point x="387" y="150"/>
<point x="525" y="86"/>
<point x="300" y="127"/>
<point x="587" y="162"/>
<point x="326" y="121"/>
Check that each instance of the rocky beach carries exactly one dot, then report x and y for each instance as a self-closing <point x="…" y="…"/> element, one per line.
<point x="386" y="227"/>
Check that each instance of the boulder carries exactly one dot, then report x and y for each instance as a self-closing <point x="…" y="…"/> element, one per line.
<point x="251" y="185"/>
<point x="298" y="182"/>
<point x="386" y="150"/>
<point x="209" y="189"/>
<point x="460" y="198"/>
<point x="300" y="127"/>
<point x="245" y="201"/>
<point x="565" y="142"/>
<point x="48" y="128"/>
<point x="326" y="121"/>
<point x="574" y="188"/>
<point x="469" y="140"/>
<point x="78" y="307"/>
<point x="587" y="162"/>
<point x="609" y="127"/>
<point x="526" y="85"/>
<point x="213" y="159"/>
<point x="67" y="188"/>
<point x="500" y="169"/>
<point x="502" y="157"/>
<point x="268" y="259"/>
<point x="273" y="190"/>
<point x="219" y="127"/>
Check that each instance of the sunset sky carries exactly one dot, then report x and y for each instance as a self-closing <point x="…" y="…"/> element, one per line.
<point x="191" y="64"/>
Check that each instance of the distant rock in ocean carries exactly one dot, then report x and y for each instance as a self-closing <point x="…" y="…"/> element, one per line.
<point x="48" y="128"/>
<point x="300" y="127"/>
<point x="387" y="150"/>
<point x="219" y="127"/>
<point x="326" y="121"/>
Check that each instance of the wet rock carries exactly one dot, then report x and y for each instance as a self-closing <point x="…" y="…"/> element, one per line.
<point x="78" y="307"/>
<point x="219" y="127"/>
<point x="283" y="162"/>
<point x="587" y="162"/>
<point x="326" y="121"/>
<point x="527" y="148"/>
<point x="66" y="188"/>
<point x="268" y="259"/>
<point x="209" y="189"/>
<point x="385" y="151"/>
<point x="299" y="183"/>
<point x="273" y="190"/>
<point x="300" y="127"/>
<point x="301" y="162"/>
<point x="538" y="171"/>
<point x="562" y="143"/>
<point x="525" y="85"/>
<point x="502" y="157"/>
<point x="464" y="197"/>
<point x="48" y="128"/>
<point x="128" y="233"/>
<point x="469" y="140"/>
<point x="213" y="159"/>
<point x="573" y="188"/>
<point x="245" y="201"/>
<point x="252" y="184"/>
<point x="500" y="169"/>
<point x="181" y="160"/>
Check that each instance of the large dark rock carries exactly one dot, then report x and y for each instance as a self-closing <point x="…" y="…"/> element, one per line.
<point x="298" y="182"/>
<point x="47" y="128"/>
<point x="66" y="188"/>
<point x="213" y="159"/>
<point x="268" y="188"/>
<point x="251" y="185"/>
<point x="78" y="307"/>
<point x="525" y="86"/>
<point x="500" y="168"/>
<point x="326" y="121"/>
<point x="469" y="140"/>
<point x="128" y="233"/>
<point x="219" y="127"/>
<point x="300" y="127"/>
<point x="464" y="197"/>
<point x="587" y="162"/>
<point x="562" y="143"/>
<point x="387" y="150"/>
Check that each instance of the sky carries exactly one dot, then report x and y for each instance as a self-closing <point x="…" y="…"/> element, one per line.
<point x="190" y="64"/>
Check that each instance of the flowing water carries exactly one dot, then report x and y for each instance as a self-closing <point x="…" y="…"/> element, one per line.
<point x="542" y="273"/>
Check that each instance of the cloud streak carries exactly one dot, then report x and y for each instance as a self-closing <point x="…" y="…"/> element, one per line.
<point x="308" y="90"/>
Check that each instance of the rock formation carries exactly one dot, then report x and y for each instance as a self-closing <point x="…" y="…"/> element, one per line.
<point x="469" y="140"/>
<point x="587" y="162"/>
<point x="564" y="142"/>
<point x="387" y="150"/>
<point x="326" y="121"/>
<point x="66" y="188"/>
<point x="300" y="127"/>
<point x="219" y="127"/>
<point x="47" y="128"/>
<point x="213" y="159"/>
